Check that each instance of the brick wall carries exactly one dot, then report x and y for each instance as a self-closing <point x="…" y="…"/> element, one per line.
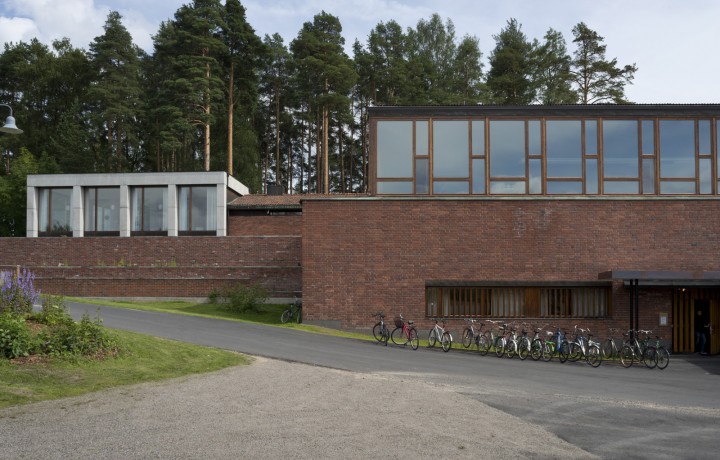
<point x="263" y="225"/>
<point x="364" y="255"/>
<point x="157" y="266"/>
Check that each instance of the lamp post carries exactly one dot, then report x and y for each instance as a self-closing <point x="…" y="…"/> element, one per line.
<point x="9" y="126"/>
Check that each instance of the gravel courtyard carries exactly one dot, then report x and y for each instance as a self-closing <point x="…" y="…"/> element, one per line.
<point x="274" y="409"/>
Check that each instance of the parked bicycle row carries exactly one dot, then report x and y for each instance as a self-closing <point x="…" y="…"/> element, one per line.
<point x="539" y="342"/>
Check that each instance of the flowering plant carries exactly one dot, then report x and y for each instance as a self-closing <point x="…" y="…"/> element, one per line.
<point x="17" y="291"/>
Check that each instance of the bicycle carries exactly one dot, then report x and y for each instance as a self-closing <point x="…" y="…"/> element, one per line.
<point x="470" y="335"/>
<point x="380" y="330"/>
<point x="407" y="333"/>
<point x="582" y="347"/>
<point x="552" y="343"/>
<point x="440" y="332"/>
<point x="488" y="338"/>
<point x="636" y="350"/>
<point x="536" y="344"/>
<point x="662" y="354"/>
<point x="293" y="312"/>
<point x="609" y="346"/>
<point x="523" y="343"/>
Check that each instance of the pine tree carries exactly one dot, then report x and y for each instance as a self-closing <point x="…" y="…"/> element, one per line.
<point x="597" y="79"/>
<point x="552" y="71"/>
<point x="510" y="77"/>
<point x="116" y="94"/>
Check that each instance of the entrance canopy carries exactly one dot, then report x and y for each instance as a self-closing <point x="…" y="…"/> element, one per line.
<point x="664" y="278"/>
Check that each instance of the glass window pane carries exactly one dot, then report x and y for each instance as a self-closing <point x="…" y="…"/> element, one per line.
<point x="421" y="137"/>
<point x="394" y="149"/>
<point x="648" y="184"/>
<point x="564" y="188"/>
<point x="564" y="148"/>
<point x="677" y="148"/>
<point x="102" y="209"/>
<point x="684" y="187"/>
<point x="395" y="188"/>
<point x="197" y="208"/>
<point x="648" y="137"/>
<point x="155" y="209"/>
<point x="149" y="209"/>
<point x="705" y="176"/>
<point x="478" y="177"/>
<point x="89" y="209"/>
<point x="183" y="210"/>
<point x="478" y="137"/>
<point x="507" y="148"/>
<point x="60" y="209"/>
<point x="535" y="176"/>
<point x="450" y="149"/>
<point x="422" y="176"/>
<point x="620" y="148"/>
<point x="505" y="187"/>
<point x="591" y="176"/>
<point x="534" y="141"/>
<point x="621" y="187"/>
<point x="704" y="137"/>
<point x="591" y="137"/>
<point x="450" y="187"/>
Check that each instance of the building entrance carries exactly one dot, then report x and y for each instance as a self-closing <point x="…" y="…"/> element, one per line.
<point x="686" y="304"/>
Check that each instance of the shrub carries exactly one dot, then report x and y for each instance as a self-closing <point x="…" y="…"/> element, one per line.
<point x="15" y="337"/>
<point x="86" y="337"/>
<point x="241" y="298"/>
<point x="17" y="292"/>
<point x="54" y="312"/>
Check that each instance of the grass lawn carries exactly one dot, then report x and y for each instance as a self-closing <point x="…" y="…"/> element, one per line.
<point x="144" y="359"/>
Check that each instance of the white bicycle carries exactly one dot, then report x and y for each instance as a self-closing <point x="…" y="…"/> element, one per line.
<point x="440" y="333"/>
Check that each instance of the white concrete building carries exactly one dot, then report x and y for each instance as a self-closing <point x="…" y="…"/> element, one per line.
<point x="127" y="204"/>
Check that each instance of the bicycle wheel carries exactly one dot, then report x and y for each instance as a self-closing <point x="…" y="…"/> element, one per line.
<point x="377" y="332"/>
<point x="650" y="357"/>
<point x="414" y="341"/>
<point x="285" y="316"/>
<point x="524" y="348"/>
<point x="467" y="337"/>
<point x="499" y="347"/>
<point x="627" y="355"/>
<point x="575" y="352"/>
<point x="564" y="352"/>
<point x="663" y="358"/>
<point x="446" y="342"/>
<point x="548" y="351"/>
<point x="607" y="349"/>
<point x="483" y="345"/>
<point x="511" y="348"/>
<point x="432" y="338"/>
<point x="536" y="350"/>
<point x="594" y="356"/>
<point x="397" y="337"/>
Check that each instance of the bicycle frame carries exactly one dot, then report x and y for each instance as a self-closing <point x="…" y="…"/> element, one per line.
<point x="442" y="334"/>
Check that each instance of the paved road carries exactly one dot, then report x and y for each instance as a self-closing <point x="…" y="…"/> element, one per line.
<point x="609" y="411"/>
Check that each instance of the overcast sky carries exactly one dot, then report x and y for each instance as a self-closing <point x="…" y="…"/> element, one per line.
<point x="673" y="42"/>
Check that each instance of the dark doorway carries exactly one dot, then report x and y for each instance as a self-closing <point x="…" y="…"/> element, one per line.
<point x="701" y="317"/>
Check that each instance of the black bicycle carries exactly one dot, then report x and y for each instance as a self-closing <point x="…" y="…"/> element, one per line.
<point x="293" y="312"/>
<point x="380" y="330"/>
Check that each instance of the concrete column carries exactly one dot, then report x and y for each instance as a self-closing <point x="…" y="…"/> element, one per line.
<point x="31" y="225"/>
<point x="77" y="215"/>
<point x="172" y="211"/>
<point x="221" y="210"/>
<point x="125" y="222"/>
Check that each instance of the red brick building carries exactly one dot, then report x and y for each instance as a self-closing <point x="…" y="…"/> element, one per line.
<point x="603" y="216"/>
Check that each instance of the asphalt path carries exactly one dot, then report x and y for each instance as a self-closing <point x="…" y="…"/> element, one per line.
<point x="609" y="411"/>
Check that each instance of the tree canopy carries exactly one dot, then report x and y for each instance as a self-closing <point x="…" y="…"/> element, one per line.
<point x="214" y="95"/>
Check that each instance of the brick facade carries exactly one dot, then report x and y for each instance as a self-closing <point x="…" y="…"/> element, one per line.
<point x="363" y="255"/>
<point x="162" y="266"/>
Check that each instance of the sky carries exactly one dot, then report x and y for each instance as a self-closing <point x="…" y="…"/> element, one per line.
<point x="672" y="42"/>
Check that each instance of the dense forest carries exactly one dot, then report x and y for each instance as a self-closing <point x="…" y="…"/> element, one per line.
<point x="216" y="96"/>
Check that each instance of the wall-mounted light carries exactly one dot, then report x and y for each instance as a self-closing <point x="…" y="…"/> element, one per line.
<point x="9" y="126"/>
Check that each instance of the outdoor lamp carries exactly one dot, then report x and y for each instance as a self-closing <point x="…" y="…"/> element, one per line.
<point x="9" y="126"/>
